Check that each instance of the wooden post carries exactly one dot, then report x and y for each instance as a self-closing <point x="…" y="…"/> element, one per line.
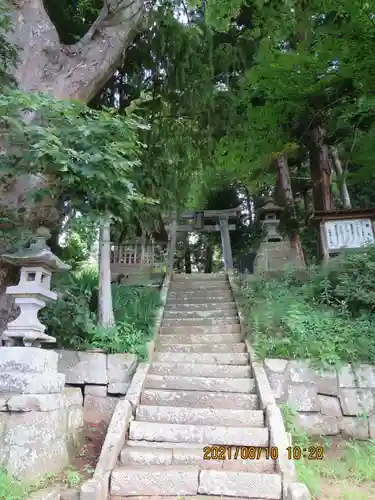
<point x="143" y="248"/>
<point x="172" y="242"/>
<point x="105" y="308"/>
<point x="225" y="242"/>
<point x="324" y="244"/>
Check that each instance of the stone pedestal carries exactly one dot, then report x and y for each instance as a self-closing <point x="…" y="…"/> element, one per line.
<point x="40" y="420"/>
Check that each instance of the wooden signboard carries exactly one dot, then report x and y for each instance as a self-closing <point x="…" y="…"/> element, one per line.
<point x="343" y="230"/>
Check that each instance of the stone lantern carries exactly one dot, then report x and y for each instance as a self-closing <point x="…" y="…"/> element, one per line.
<point x="270" y="215"/>
<point x="33" y="291"/>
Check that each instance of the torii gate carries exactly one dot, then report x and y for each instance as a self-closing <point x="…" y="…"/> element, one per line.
<point x="202" y="221"/>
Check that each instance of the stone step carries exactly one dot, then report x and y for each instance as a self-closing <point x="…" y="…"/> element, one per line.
<point x="206" y="314"/>
<point x="198" y="399"/>
<point x="200" y="370"/>
<point x="206" y="358"/>
<point x="188" y="338"/>
<point x="156" y="480"/>
<point x="182" y="307"/>
<point x="176" y="454"/>
<point x="199" y="285"/>
<point x="169" y="330"/>
<point x="178" y="480"/>
<point x="200" y="276"/>
<point x="240" y="484"/>
<point x="185" y="433"/>
<point x="200" y="416"/>
<point x="186" y="497"/>
<point x="197" y="296"/>
<point x="229" y="320"/>
<point x="240" y="385"/>
<point x="204" y="348"/>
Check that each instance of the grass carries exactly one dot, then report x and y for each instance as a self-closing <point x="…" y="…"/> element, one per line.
<point x="314" y="315"/>
<point x="347" y="470"/>
<point x="12" y="489"/>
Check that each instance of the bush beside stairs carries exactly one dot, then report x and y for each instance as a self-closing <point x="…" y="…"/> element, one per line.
<point x="199" y="392"/>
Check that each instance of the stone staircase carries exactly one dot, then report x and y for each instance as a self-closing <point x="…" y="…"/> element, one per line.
<point x="199" y="392"/>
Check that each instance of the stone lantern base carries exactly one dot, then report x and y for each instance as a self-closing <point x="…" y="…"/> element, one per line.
<point x="276" y="256"/>
<point x="40" y="419"/>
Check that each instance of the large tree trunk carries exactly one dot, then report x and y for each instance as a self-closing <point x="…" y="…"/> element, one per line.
<point x="285" y="189"/>
<point x="320" y="169"/>
<point x="66" y="72"/>
<point x="343" y="188"/>
<point x="78" y="71"/>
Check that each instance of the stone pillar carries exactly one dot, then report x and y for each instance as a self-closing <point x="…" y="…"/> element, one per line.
<point x="41" y="421"/>
<point x="105" y="309"/>
<point x="225" y="242"/>
<point x="172" y="237"/>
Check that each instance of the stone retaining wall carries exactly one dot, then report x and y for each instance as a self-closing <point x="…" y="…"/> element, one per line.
<point x="327" y="402"/>
<point x="102" y="378"/>
<point x="40" y="421"/>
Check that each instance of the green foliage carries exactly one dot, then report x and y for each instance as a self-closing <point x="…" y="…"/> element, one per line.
<point x="73" y="315"/>
<point x="124" y="337"/>
<point x="135" y="304"/>
<point x="8" y="53"/>
<point x="90" y="154"/>
<point x="72" y="318"/>
<point x="326" y="316"/>
<point x="134" y="309"/>
<point x="10" y="489"/>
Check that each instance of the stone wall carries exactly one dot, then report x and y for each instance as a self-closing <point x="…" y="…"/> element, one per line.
<point x="40" y="421"/>
<point x="102" y="378"/>
<point x="328" y="402"/>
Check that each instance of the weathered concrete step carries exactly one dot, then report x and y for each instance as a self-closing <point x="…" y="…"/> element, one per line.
<point x="184" y="433"/>
<point x="206" y="358"/>
<point x="169" y="330"/>
<point x="197" y="399"/>
<point x="240" y="385"/>
<point x="204" y="348"/>
<point x="194" y="296"/>
<point x="229" y="320"/>
<point x="200" y="370"/>
<point x="175" y="454"/>
<point x="246" y="484"/>
<point x="204" y="314"/>
<point x="186" y="497"/>
<point x="199" y="285"/>
<point x="200" y="276"/>
<point x="157" y="480"/>
<point x="178" y="480"/>
<point x="200" y="416"/>
<point x="188" y="338"/>
<point x="182" y="307"/>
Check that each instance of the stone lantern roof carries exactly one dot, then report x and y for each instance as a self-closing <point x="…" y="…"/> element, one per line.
<point x="270" y="207"/>
<point x="38" y="254"/>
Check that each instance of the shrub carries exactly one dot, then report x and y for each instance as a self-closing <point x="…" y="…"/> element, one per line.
<point x="69" y="318"/>
<point x="325" y="315"/>
<point x="72" y="318"/>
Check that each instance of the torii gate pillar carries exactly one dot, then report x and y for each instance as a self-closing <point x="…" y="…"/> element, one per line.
<point x="225" y="243"/>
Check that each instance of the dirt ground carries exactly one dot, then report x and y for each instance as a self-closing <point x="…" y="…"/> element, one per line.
<point x="88" y="456"/>
<point x="339" y="487"/>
